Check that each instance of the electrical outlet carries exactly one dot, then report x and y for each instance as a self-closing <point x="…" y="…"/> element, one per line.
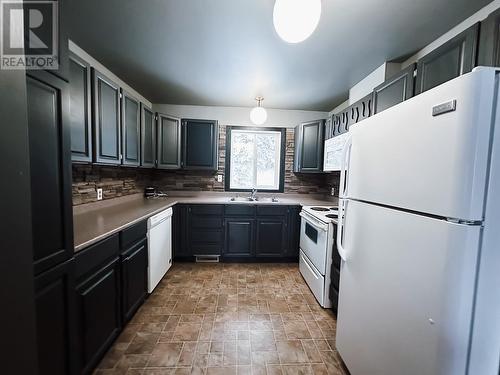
<point x="99" y="194"/>
<point x="219" y="178"/>
<point x="332" y="192"/>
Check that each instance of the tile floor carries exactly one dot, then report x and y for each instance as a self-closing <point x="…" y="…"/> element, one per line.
<point x="228" y="319"/>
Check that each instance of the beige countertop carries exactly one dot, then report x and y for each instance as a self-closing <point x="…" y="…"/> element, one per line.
<point x="95" y="221"/>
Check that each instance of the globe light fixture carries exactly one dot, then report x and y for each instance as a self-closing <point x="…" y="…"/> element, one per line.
<point x="296" y="20"/>
<point x="258" y="115"/>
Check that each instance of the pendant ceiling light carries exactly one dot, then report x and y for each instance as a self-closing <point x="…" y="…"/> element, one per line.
<point x="258" y="114"/>
<point x="296" y="20"/>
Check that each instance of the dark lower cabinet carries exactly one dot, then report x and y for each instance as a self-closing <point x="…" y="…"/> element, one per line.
<point x="50" y="165"/>
<point x="134" y="264"/>
<point x="335" y="274"/>
<point x="180" y="248"/>
<point x="200" y="140"/>
<point x="270" y="237"/>
<point x="106" y="120"/>
<point x="237" y="232"/>
<point x="394" y="90"/>
<point x="130" y="130"/>
<point x="54" y="302"/>
<point x="98" y="313"/>
<point x="239" y="237"/>
<point x="452" y="59"/>
<point x="148" y="137"/>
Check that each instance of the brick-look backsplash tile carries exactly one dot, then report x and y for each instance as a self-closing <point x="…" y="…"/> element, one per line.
<point x="119" y="181"/>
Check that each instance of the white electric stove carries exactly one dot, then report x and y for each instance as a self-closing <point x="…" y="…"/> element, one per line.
<point x="317" y="230"/>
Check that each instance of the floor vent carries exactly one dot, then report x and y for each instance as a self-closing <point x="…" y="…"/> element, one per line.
<point x="207" y="258"/>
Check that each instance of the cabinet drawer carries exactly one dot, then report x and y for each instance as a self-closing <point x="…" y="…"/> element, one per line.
<point x="272" y="210"/>
<point x="133" y="234"/>
<point x="93" y="256"/>
<point x="239" y="210"/>
<point x="206" y="222"/>
<point x="206" y="236"/>
<point x="204" y="249"/>
<point x="206" y="209"/>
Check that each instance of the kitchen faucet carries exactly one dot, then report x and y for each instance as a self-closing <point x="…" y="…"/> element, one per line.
<point x="253" y="195"/>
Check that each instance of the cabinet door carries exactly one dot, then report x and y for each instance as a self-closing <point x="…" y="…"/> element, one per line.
<point x="98" y="314"/>
<point x="54" y="302"/>
<point x="180" y="225"/>
<point x="50" y="164"/>
<point x="80" y="112"/>
<point x="131" y="126"/>
<point x="148" y="137"/>
<point x="293" y="232"/>
<point x="134" y="278"/>
<point x="270" y="239"/>
<point x="239" y="237"/>
<point x="394" y="90"/>
<point x="106" y="124"/>
<point x="200" y="144"/>
<point x="310" y="146"/>
<point x="489" y="41"/>
<point x="169" y="142"/>
<point x="452" y="59"/>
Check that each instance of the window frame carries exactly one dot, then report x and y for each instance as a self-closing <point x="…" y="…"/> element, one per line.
<point x="227" y="177"/>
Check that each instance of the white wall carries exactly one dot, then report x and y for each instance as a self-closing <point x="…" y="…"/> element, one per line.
<point x="476" y="17"/>
<point x="375" y="78"/>
<point x="101" y="68"/>
<point x="239" y="115"/>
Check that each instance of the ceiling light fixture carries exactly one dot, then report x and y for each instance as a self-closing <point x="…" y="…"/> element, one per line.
<point x="258" y="114"/>
<point x="296" y="20"/>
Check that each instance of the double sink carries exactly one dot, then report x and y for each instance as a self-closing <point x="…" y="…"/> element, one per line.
<point x="253" y="199"/>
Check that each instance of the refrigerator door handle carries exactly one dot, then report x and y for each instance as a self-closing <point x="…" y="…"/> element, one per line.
<point x="344" y="167"/>
<point x="340" y="230"/>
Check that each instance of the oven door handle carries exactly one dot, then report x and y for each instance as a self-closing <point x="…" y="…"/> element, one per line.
<point x="315" y="223"/>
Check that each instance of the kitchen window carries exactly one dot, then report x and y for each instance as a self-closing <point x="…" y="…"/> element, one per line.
<point x="255" y="158"/>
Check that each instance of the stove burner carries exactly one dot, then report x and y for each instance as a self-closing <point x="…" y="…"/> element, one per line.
<point x="334" y="208"/>
<point x="319" y="209"/>
<point x="332" y="216"/>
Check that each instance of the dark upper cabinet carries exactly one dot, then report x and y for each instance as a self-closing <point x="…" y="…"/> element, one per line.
<point x="98" y="314"/>
<point x="134" y="277"/>
<point x="50" y="159"/>
<point x="130" y="130"/>
<point x="394" y="90"/>
<point x="148" y="137"/>
<point x="309" y="147"/>
<point x="80" y="119"/>
<point x="106" y="119"/>
<point x="200" y="140"/>
<point x="239" y="237"/>
<point x="452" y="59"/>
<point x="489" y="41"/>
<point x="54" y="303"/>
<point x="271" y="237"/>
<point x="169" y="142"/>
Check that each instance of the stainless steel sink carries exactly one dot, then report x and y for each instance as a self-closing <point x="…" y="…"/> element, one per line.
<point x="256" y="199"/>
<point x="243" y="199"/>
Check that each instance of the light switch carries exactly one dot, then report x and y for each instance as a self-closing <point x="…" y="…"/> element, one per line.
<point x="219" y="178"/>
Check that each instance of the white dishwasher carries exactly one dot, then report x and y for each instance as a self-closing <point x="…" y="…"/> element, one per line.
<point x="159" y="247"/>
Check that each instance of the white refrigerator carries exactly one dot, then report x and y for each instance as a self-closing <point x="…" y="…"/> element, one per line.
<point x="419" y="224"/>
